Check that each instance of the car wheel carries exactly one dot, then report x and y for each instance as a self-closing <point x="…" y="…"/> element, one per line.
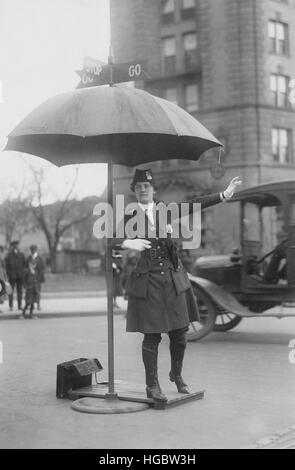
<point x="208" y="312"/>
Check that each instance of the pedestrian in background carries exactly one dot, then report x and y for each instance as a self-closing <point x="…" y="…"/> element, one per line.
<point x="39" y="268"/>
<point x="186" y="260"/>
<point x="3" y="277"/>
<point x="2" y="262"/>
<point x="32" y="287"/>
<point x="128" y="268"/>
<point x="15" y="264"/>
<point x="117" y="276"/>
<point x="2" y="257"/>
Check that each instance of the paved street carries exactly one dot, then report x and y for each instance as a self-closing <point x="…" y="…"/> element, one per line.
<point x="249" y="382"/>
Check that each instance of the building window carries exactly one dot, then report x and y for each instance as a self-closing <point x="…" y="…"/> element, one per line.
<point x="190" y="41"/>
<point x="167" y="11"/>
<point x="171" y="95"/>
<point x="191" y="98"/>
<point x="168" y="54"/>
<point x="278" y="37"/>
<point x="281" y="145"/>
<point x="190" y="48"/>
<point x="188" y="9"/>
<point x="279" y="90"/>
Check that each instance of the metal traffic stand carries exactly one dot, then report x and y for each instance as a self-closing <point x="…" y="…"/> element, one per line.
<point x="113" y="125"/>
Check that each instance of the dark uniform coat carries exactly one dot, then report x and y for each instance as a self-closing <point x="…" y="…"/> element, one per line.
<point x="160" y="296"/>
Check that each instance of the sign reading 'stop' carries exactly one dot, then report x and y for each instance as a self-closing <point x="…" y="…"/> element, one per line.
<point x="95" y="72"/>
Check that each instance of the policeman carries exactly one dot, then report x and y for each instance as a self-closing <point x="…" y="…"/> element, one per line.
<point x="160" y="296"/>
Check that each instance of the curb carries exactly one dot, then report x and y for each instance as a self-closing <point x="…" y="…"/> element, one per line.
<point x="73" y="295"/>
<point x="282" y="439"/>
<point x="40" y="316"/>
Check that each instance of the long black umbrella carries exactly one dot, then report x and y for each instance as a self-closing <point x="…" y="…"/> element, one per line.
<point x="113" y="125"/>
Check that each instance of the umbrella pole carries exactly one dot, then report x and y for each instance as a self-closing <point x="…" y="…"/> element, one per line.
<point x="110" y="290"/>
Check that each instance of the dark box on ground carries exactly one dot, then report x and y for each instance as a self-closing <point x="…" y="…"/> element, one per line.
<point x="75" y="374"/>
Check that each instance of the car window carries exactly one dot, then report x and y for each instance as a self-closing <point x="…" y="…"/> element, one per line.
<point x="251" y="222"/>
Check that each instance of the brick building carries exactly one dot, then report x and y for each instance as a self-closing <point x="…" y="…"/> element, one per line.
<point x="229" y="63"/>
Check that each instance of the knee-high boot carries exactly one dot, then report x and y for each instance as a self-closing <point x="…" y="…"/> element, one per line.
<point x="150" y="360"/>
<point x="177" y="350"/>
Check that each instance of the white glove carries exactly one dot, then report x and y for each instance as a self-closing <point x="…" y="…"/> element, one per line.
<point x="138" y="244"/>
<point x="229" y="192"/>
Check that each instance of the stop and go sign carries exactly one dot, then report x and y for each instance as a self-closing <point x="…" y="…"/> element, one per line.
<point x="96" y="73"/>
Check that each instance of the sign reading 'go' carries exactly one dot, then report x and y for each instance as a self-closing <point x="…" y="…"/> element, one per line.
<point x="134" y="70"/>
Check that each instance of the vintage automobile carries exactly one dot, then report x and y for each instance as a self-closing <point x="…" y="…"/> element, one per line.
<point x="231" y="287"/>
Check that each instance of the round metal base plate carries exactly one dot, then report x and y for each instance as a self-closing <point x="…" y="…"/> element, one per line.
<point x="107" y="406"/>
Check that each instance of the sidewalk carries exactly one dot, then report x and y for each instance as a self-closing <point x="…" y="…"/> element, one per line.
<point x="68" y="304"/>
<point x="69" y="282"/>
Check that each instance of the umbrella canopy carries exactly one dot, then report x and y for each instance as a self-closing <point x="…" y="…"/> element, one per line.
<point x="117" y="124"/>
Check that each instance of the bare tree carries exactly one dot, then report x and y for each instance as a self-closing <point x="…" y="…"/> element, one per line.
<point x="15" y="215"/>
<point x="57" y="218"/>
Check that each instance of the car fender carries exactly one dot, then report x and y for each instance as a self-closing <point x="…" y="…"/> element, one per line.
<point x="223" y="299"/>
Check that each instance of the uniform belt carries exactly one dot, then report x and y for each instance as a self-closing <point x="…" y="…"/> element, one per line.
<point x="157" y="253"/>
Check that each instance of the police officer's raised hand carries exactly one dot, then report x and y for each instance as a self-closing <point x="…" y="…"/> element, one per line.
<point x="233" y="185"/>
<point x="138" y="244"/>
